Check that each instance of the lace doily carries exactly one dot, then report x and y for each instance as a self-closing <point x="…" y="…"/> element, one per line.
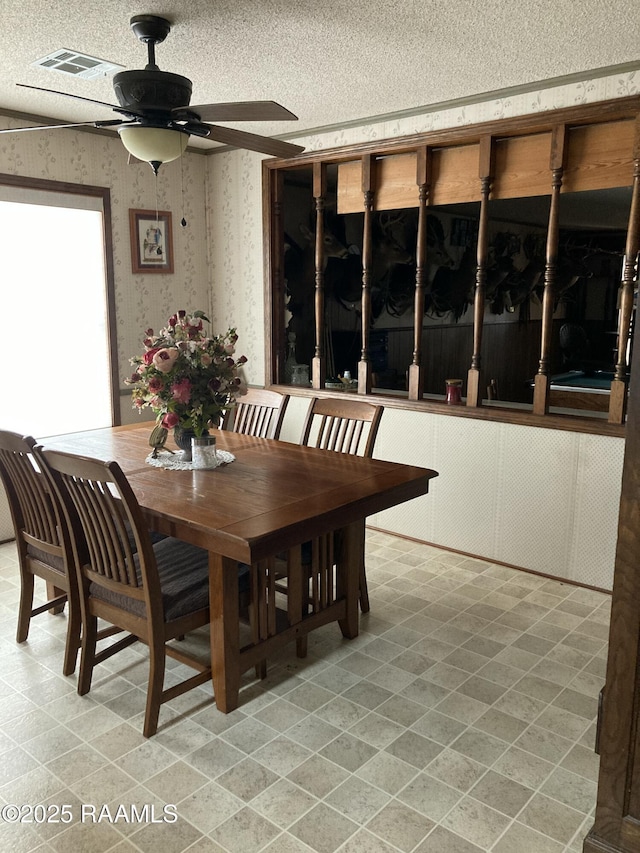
<point x="164" y="459"/>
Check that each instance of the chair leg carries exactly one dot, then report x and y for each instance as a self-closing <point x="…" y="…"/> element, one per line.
<point x="54" y="592"/>
<point x="157" y="661"/>
<point x="26" y="605"/>
<point x="364" y="592"/>
<point x="301" y="646"/>
<point x="88" y="655"/>
<point x="74" y="630"/>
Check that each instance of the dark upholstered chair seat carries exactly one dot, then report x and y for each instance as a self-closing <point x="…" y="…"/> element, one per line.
<point x="52" y="560"/>
<point x="183" y="570"/>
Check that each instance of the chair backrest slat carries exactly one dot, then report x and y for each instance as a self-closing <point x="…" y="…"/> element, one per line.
<point x="104" y="502"/>
<point x="259" y="412"/>
<point x="32" y="508"/>
<point x="340" y="425"/>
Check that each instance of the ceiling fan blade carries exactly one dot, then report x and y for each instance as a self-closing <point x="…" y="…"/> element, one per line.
<point x="263" y="144"/>
<point x="244" y="111"/>
<point x="193" y="128"/>
<point x="118" y="109"/>
<point x="109" y="123"/>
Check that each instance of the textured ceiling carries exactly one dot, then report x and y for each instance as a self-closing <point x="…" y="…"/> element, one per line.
<point x="329" y="62"/>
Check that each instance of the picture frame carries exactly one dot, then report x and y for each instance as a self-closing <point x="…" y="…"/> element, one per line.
<point x="151" y="241"/>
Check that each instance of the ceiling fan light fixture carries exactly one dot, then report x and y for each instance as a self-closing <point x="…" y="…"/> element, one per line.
<point x="154" y="145"/>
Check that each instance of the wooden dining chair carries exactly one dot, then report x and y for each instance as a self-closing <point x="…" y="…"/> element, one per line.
<point x="156" y="593"/>
<point x="346" y="426"/>
<point x="259" y="412"/>
<point x="341" y="425"/>
<point x="42" y="540"/>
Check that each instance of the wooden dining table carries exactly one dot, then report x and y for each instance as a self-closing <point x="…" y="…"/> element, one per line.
<point x="272" y="497"/>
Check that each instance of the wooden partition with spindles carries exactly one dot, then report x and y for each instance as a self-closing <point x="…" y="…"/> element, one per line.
<point x="589" y="147"/>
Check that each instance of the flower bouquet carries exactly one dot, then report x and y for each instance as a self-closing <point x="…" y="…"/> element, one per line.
<point x="188" y="377"/>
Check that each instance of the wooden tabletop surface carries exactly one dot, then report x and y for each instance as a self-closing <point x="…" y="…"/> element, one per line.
<point x="274" y="495"/>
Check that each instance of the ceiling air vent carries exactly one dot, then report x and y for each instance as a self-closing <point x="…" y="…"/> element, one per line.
<point x="77" y="64"/>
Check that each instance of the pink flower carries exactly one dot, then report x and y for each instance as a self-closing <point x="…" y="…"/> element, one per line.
<point x="164" y="359"/>
<point x="181" y="391"/>
<point x="170" y="420"/>
<point x="205" y="359"/>
<point x="149" y="354"/>
<point x="155" y="384"/>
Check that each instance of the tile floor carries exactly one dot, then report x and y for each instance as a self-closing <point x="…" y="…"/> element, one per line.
<point x="461" y="720"/>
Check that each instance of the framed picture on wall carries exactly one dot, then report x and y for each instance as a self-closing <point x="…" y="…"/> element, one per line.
<point x="151" y="241"/>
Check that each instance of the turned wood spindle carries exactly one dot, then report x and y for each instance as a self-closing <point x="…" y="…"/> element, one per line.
<point x="474" y="377"/>
<point x="628" y="283"/>
<point x="318" y="367"/>
<point x="541" y="382"/>
<point x="368" y="191"/>
<point x="416" y="371"/>
<point x="276" y="251"/>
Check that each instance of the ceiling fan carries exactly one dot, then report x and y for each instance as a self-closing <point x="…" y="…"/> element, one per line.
<point x="157" y="119"/>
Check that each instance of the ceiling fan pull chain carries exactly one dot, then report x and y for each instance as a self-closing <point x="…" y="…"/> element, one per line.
<point x="183" y="221"/>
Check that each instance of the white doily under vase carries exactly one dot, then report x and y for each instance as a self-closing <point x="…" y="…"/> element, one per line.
<point x="174" y="461"/>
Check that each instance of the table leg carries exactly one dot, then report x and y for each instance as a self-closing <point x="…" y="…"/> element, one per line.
<point x="350" y="559"/>
<point x="224" y="631"/>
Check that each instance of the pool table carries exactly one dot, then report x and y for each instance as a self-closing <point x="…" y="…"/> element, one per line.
<point x="577" y="389"/>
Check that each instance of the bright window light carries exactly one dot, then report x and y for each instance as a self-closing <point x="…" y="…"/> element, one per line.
<point x="55" y="377"/>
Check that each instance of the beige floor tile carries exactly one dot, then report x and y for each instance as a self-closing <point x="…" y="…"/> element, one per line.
<point x="476" y="822"/>
<point x="501" y="793"/>
<point x="322" y="829"/>
<point x="443" y="840"/>
<point x="551" y="817"/>
<point x="429" y="796"/>
<point x="283" y="803"/>
<point x="456" y="770"/>
<point x="544" y="743"/>
<point x="356" y="799"/>
<point x="387" y="772"/>
<point x="400" y="825"/>
<point x="480" y="746"/>
<point x="525" y="840"/>
<point x="376" y="730"/>
<point x="571" y="789"/>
